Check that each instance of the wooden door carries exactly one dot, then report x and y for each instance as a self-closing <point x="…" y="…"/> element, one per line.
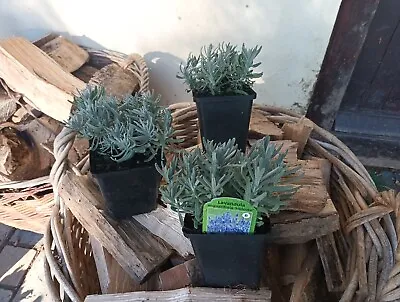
<point x="367" y="113"/>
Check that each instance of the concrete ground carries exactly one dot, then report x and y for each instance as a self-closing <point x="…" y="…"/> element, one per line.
<point x="21" y="266"/>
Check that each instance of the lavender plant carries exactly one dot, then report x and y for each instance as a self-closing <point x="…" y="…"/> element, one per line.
<point x="221" y="70"/>
<point x="260" y="177"/>
<point x="121" y="129"/>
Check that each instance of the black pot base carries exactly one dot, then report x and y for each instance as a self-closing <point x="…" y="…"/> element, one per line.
<point x="128" y="191"/>
<point x="229" y="260"/>
<point x="224" y="117"/>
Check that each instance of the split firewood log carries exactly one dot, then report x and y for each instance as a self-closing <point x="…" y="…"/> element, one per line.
<point x="8" y="106"/>
<point x="26" y="148"/>
<point x="116" y="80"/>
<point x="18" y="154"/>
<point x="28" y="133"/>
<point x="298" y="132"/>
<point x="261" y="126"/>
<point x="29" y="71"/>
<point x="67" y="54"/>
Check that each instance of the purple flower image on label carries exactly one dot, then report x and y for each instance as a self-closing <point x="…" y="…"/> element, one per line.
<point x="227" y="223"/>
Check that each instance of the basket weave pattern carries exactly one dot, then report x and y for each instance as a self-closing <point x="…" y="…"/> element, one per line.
<point x="370" y="233"/>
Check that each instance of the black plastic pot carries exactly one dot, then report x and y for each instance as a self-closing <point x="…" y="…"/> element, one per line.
<point x="224" y="117"/>
<point x="229" y="260"/>
<point x="129" y="188"/>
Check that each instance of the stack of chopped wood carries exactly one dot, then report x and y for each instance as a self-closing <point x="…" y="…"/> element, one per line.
<point x="38" y="83"/>
<point x="149" y="256"/>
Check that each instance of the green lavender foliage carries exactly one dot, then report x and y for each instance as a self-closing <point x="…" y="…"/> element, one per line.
<point x="221" y="70"/>
<point x="121" y="129"/>
<point x="260" y="177"/>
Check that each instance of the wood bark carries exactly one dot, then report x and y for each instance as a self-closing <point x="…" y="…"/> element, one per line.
<point x="332" y="264"/>
<point x="117" y="81"/>
<point x="8" y="106"/>
<point x="66" y="54"/>
<point x="312" y="194"/>
<point x="18" y="155"/>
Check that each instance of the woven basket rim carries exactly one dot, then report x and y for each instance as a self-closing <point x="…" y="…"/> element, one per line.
<point x="349" y="175"/>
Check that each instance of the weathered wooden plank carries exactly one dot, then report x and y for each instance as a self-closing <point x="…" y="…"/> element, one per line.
<point x="67" y="54"/>
<point x="304" y="277"/>
<point x="295" y="227"/>
<point x="28" y="70"/>
<point x="261" y="126"/>
<point x="312" y="171"/>
<point x="303" y="230"/>
<point x="113" y="279"/>
<point x="188" y="295"/>
<point x="380" y="43"/>
<point x="137" y="251"/>
<point x="288" y="216"/>
<point x="344" y="48"/>
<point x="271" y="273"/>
<point x="164" y="223"/>
<point x="292" y="257"/>
<point x="331" y="262"/>
<point x="150" y="250"/>
<point x="116" y="80"/>
<point x="100" y="258"/>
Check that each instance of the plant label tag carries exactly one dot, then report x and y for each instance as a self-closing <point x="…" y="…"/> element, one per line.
<point x="229" y="215"/>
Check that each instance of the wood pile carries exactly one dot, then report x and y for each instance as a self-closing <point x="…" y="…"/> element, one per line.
<point x="148" y="252"/>
<point x="149" y="256"/>
<point x="38" y="82"/>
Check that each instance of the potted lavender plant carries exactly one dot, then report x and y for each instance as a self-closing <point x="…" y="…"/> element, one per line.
<point x="127" y="138"/>
<point x="228" y="254"/>
<point x="221" y="80"/>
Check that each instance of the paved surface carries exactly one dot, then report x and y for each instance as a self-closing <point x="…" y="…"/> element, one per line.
<point x="21" y="266"/>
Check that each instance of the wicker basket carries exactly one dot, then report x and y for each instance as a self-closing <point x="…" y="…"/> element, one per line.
<point x="369" y="231"/>
<point x="33" y="214"/>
